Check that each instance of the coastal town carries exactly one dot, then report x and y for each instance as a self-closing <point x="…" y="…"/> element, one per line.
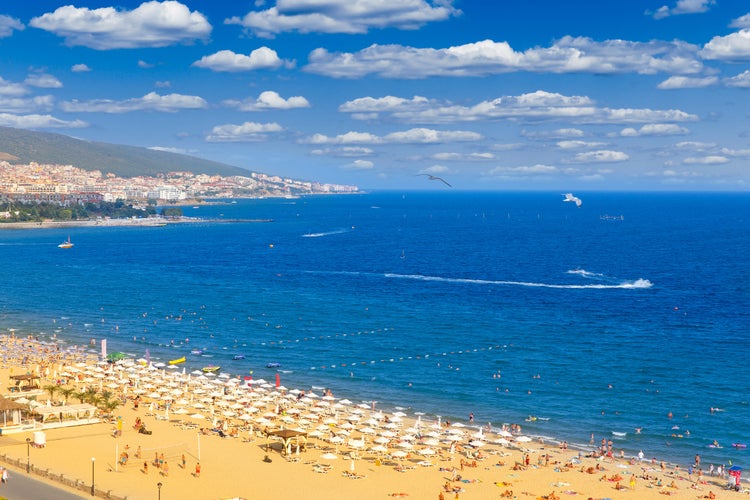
<point x="67" y="184"/>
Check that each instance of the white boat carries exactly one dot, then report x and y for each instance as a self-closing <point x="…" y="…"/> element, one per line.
<point x="65" y="244"/>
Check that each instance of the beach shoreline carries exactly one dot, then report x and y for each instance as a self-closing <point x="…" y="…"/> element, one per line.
<point x="340" y="457"/>
<point x="141" y="222"/>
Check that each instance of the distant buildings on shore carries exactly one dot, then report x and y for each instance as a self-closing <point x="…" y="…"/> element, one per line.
<point x="66" y="184"/>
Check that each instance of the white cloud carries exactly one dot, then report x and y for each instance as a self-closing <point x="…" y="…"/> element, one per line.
<point x="695" y="145"/>
<point x="743" y="153"/>
<point x="43" y="81"/>
<point x="684" y="7"/>
<point x="411" y="136"/>
<point x="226" y="60"/>
<point x="178" y="151"/>
<point x="487" y="57"/>
<point x="38" y="122"/>
<point x="346" y="151"/>
<point x="561" y="133"/>
<point x="246" y="132"/>
<point x="538" y="169"/>
<point x="26" y="105"/>
<point x="150" y="101"/>
<point x="685" y="82"/>
<point x="706" y="160"/>
<point x="144" y="65"/>
<point x="431" y="136"/>
<point x="579" y="144"/>
<point x="732" y="47"/>
<point x="741" y="22"/>
<point x="152" y="24"/>
<point x="533" y="105"/>
<point x="463" y="157"/>
<point x="600" y="156"/>
<point x="8" y="25"/>
<point x="434" y="169"/>
<point x="80" y="68"/>
<point x="625" y="115"/>
<point x="343" y="16"/>
<point x="359" y="165"/>
<point x="268" y="100"/>
<point x="538" y="105"/>
<point x="387" y="103"/>
<point x="655" y="129"/>
<point x="12" y="88"/>
<point x="742" y="80"/>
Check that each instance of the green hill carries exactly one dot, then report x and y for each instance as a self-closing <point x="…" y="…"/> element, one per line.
<point x="24" y="146"/>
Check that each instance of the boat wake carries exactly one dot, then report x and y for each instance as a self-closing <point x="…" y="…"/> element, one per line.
<point x="639" y="283"/>
<point x="327" y="233"/>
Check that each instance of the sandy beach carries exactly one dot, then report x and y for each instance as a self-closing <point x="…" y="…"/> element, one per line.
<point x="344" y="450"/>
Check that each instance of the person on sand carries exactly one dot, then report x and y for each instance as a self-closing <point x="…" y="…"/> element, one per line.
<point x="198" y="469"/>
<point x="145" y="467"/>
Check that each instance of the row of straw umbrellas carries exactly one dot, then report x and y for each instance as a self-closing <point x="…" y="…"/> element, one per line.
<point x="255" y="406"/>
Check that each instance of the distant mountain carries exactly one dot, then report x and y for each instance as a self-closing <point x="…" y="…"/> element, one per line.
<point x="24" y="146"/>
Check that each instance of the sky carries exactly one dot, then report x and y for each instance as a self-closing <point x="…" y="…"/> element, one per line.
<point x="581" y="95"/>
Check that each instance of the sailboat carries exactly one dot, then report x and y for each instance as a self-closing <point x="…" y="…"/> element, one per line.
<point x="65" y="244"/>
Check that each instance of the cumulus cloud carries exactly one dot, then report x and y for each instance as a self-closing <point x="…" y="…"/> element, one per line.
<point x="655" y="129"/>
<point x="26" y="104"/>
<point x="411" y="136"/>
<point x="741" y="22"/>
<point x="538" y="105"/>
<point x="268" y="100"/>
<point x="732" y="47"/>
<point x="343" y="16"/>
<point x="683" y="7"/>
<point x="152" y="24"/>
<point x="38" y="122"/>
<point x="600" y="156"/>
<point x="706" y="160"/>
<point x="359" y="165"/>
<point x="741" y="80"/>
<point x="487" y="57"/>
<point x="685" y="82"/>
<point x="245" y="132"/>
<point x="8" y="25"/>
<point x="561" y="133"/>
<point x="226" y="60"/>
<point x="369" y="108"/>
<point x="150" y="101"/>
<point x="12" y="88"/>
<point x="43" y="81"/>
<point x="80" y="68"/>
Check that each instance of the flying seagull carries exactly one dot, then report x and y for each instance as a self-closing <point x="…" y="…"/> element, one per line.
<point x="574" y="199"/>
<point x="436" y="178"/>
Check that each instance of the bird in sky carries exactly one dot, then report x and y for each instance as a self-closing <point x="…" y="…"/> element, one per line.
<point x="574" y="199"/>
<point x="436" y="178"/>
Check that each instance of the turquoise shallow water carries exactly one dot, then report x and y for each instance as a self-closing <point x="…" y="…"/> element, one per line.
<point x="501" y="304"/>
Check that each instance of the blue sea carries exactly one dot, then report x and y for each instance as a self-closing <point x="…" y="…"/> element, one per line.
<point x="504" y="305"/>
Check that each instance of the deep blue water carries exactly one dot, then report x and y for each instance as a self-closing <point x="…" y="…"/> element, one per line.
<point x="501" y="304"/>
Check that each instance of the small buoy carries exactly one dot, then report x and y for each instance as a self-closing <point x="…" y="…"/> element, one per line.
<point x="270" y="245"/>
